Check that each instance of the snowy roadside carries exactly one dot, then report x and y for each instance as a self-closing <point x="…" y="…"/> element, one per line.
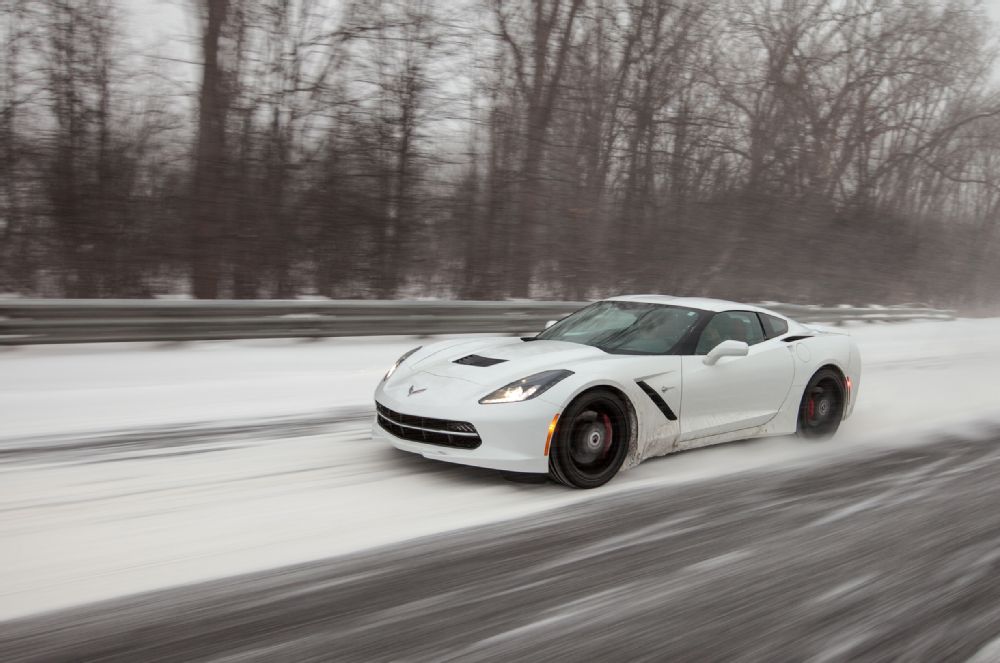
<point x="81" y="527"/>
<point x="86" y="390"/>
<point x="90" y="389"/>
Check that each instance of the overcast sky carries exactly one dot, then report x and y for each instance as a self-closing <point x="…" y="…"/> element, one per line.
<point x="167" y="29"/>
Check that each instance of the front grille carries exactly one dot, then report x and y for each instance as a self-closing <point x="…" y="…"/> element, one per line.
<point x="442" y="432"/>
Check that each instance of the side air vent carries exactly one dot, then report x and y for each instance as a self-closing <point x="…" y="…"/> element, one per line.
<point x="792" y="339"/>
<point x="478" y="360"/>
<point x="657" y="400"/>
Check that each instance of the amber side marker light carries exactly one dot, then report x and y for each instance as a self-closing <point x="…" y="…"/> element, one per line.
<point x="552" y="429"/>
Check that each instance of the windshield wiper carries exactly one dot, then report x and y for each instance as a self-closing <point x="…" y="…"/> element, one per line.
<point x="606" y="344"/>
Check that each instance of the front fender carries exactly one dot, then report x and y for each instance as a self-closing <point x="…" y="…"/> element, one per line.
<point x="651" y="433"/>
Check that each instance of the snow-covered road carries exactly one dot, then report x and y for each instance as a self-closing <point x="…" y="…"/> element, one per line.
<point x="128" y="468"/>
<point x="78" y="389"/>
<point x="889" y="556"/>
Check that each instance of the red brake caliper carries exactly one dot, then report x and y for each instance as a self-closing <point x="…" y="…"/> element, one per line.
<point x="607" y="435"/>
<point x="811" y="409"/>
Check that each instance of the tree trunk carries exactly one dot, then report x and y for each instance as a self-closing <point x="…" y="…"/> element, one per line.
<point x="208" y="210"/>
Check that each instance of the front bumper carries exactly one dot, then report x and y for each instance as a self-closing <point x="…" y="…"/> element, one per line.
<point x="513" y="434"/>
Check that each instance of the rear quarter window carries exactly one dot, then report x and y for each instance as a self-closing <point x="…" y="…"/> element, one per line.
<point x="773" y="326"/>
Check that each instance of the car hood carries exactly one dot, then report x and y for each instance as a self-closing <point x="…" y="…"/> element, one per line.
<point x="515" y="359"/>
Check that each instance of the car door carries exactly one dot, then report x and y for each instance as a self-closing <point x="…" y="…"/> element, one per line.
<point x="736" y="392"/>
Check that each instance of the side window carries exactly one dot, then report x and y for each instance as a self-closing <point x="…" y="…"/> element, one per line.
<point x="773" y="327"/>
<point x="730" y="326"/>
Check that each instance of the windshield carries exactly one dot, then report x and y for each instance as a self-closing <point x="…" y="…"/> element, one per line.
<point x="627" y="327"/>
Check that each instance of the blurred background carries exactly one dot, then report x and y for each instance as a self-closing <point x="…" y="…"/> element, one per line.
<point x="801" y="150"/>
<point x="183" y="478"/>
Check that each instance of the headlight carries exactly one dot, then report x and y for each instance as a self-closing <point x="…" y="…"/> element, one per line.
<point x="392" y="369"/>
<point x="526" y="389"/>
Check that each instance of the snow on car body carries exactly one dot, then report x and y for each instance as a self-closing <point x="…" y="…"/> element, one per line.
<point x="620" y="381"/>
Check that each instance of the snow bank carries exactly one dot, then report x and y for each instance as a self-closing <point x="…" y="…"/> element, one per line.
<point x="88" y="388"/>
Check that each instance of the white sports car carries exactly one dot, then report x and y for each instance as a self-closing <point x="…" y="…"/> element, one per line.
<point x="615" y="383"/>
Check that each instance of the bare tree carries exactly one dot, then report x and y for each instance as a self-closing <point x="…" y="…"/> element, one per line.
<point x="208" y="213"/>
<point x="539" y="36"/>
<point x="488" y="148"/>
<point x="15" y="263"/>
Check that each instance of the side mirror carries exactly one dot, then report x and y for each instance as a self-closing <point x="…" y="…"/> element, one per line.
<point x="550" y="323"/>
<point x="726" y="349"/>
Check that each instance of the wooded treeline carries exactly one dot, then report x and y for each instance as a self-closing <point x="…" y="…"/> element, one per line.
<point x="796" y="150"/>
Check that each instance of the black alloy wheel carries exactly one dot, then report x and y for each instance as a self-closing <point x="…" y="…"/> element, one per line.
<point x="822" y="406"/>
<point x="591" y="440"/>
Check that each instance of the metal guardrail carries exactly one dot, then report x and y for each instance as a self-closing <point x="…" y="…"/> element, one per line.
<point x="42" y="321"/>
<point x="840" y="314"/>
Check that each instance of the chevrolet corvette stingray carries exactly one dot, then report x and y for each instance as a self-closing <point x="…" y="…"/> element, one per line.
<point x="617" y="382"/>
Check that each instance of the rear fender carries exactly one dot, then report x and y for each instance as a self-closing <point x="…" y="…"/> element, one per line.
<point x="810" y="355"/>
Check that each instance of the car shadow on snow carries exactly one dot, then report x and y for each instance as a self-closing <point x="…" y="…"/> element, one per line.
<point x="405" y="462"/>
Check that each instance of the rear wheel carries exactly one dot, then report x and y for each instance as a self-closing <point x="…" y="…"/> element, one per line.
<point x="591" y="440"/>
<point x="822" y="406"/>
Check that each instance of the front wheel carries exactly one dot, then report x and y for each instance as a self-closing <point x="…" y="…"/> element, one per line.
<point x="822" y="406"/>
<point x="591" y="440"/>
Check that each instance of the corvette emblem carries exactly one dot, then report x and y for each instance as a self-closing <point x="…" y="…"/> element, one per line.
<point x="415" y="391"/>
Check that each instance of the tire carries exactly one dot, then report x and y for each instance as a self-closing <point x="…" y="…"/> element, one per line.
<point x="591" y="440"/>
<point x="822" y="407"/>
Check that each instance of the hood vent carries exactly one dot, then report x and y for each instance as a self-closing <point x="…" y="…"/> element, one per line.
<point x="478" y="360"/>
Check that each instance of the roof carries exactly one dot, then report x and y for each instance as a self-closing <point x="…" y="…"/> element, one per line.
<point x="701" y="303"/>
